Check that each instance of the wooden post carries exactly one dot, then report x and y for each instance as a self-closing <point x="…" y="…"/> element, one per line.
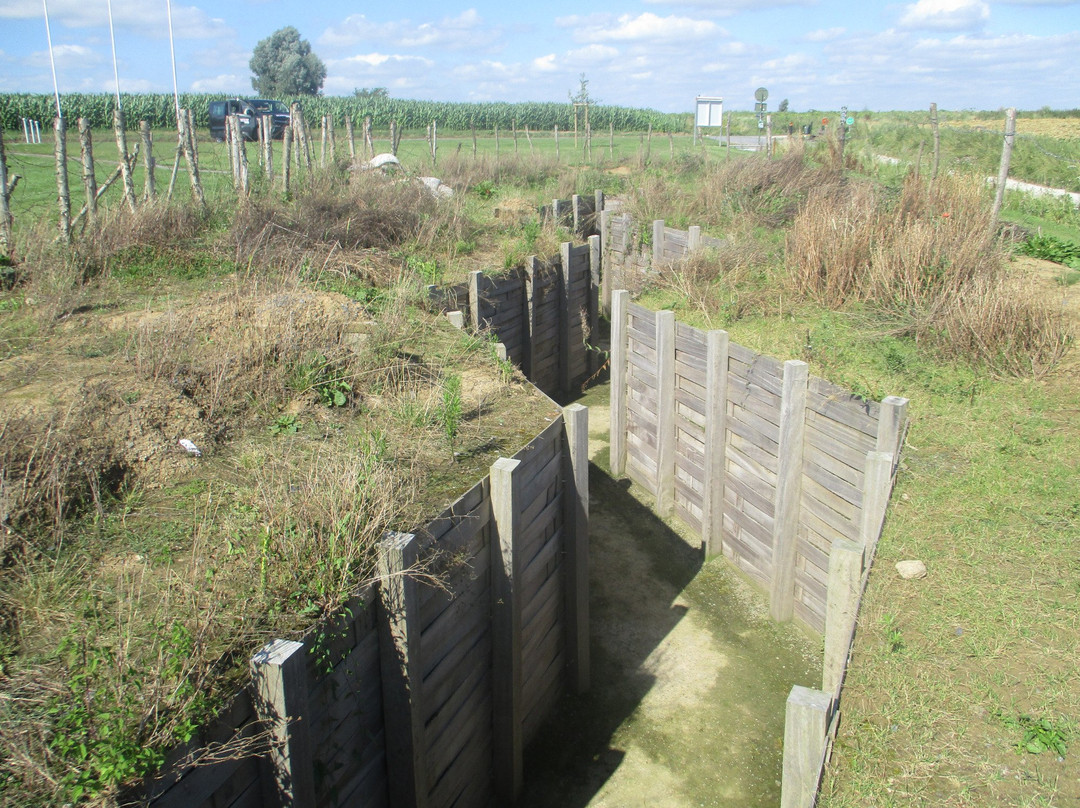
<point x="352" y="138"/>
<point x="937" y="142"/>
<point x="286" y="158"/>
<point x="576" y="519"/>
<point x="86" y="141"/>
<point x="768" y="137"/>
<point x="192" y="134"/>
<point x="598" y="208"/>
<point x="593" y="336"/>
<point x="528" y="137"/>
<point x="556" y="143"/>
<point x="149" y="163"/>
<point x="475" y="277"/>
<point x="506" y="629"/>
<point x="892" y="420"/>
<point x="234" y="154"/>
<point x="605" y="268"/>
<point x="877" y="484"/>
<point x="176" y="164"/>
<point x="806" y="724"/>
<point x="322" y="142"/>
<point x="279" y="674"/>
<point x="393" y="138"/>
<point x="716" y="385"/>
<point x="63" y="195"/>
<point x="565" y="319"/>
<point x="513" y="129"/>
<point x="611" y="140"/>
<point x="6" y="243"/>
<point x="665" y="420"/>
<point x="575" y="213"/>
<point x="657" y="244"/>
<point x="788" y="490"/>
<point x="841" y="608"/>
<point x="620" y="346"/>
<point x="333" y="138"/>
<point x="125" y="163"/>
<point x="369" y="142"/>
<point x="241" y="146"/>
<point x="496" y="143"/>
<point x="1003" y="171"/>
<point x="473" y="125"/>
<point x="532" y="270"/>
<point x="186" y="140"/>
<point x="402" y="673"/>
<point x="268" y="149"/>
<point x="300" y="135"/>
<point x="693" y="239"/>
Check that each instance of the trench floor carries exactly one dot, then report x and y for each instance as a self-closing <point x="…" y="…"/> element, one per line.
<point x="689" y="675"/>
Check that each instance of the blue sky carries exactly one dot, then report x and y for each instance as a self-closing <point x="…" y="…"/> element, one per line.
<point x="818" y="54"/>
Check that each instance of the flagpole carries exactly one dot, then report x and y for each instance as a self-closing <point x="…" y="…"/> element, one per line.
<point x="52" y="59"/>
<point x="116" y="73"/>
<point x="172" y="53"/>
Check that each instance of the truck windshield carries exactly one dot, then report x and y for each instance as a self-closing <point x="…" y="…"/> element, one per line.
<point x="269" y="107"/>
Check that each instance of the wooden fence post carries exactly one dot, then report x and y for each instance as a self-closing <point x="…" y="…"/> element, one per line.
<point x="892" y="419"/>
<point x="149" y="163"/>
<point x="598" y="208"/>
<point x="119" y="126"/>
<point x="351" y="136"/>
<point x="605" y="269"/>
<point x="475" y="277"/>
<point x="565" y="320"/>
<point x="657" y="244"/>
<point x="86" y="141"/>
<point x="877" y="484"/>
<point x="693" y="239"/>
<point x="187" y="142"/>
<point x="806" y="724"/>
<point x="506" y="629"/>
<point x="267" y="133"/>
<point x="620" y="346"/>
<point x="593" y="361"/>
<point x="716" y="381"/>
<point x="286" y="157"/>
<point x="279" y="673"/>
<point x="788" y="490"/>
<point x="6" y="244"/>
<point x="665" y="421"/>
<point x="63" y="194"/>
<point x="842" y="605"/>
<point x="402" y="675"/>
<point x="1003" y="169"/>
<point x="576" y="520"/>
<point x="575" y="212"/>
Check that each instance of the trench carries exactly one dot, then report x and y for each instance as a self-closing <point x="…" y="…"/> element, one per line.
<point x="689" y="676"/>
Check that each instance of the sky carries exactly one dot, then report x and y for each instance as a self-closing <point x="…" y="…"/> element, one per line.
<point x="816" y="54"/>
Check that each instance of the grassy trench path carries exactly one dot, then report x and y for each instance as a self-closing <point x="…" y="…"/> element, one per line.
<point x="689" y="675"/>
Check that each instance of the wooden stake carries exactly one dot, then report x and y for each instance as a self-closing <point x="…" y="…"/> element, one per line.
<point x="186" y="139"/>
<point x="322" y="142"/>
<point x="150" y="186"/>
<point x="63" y="195"/>
<point x="175" y="166"/>
<point x="125" y="165"/>
<point x="89" y="179"/>
<point x="105" y="186"/>
<point x="6" y="242"/>
<point x="286" y="158"/>
<point x="349" y="135"/>
<point x="1003" y="171"/>
<point x="369" y="143"/>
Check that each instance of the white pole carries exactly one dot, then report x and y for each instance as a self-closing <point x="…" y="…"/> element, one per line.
<point x="116" y="74"/>
<point x="52" y="61"/>
<point x="172" y="53"/>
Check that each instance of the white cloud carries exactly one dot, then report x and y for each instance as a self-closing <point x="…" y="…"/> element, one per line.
<point x="225" y="83"/>
<point x="545" y="64"/>
<point x="467" y="31"/>
<point x="646" y="28"/>
<point x="825" y="34"/>
<point x="728" y="8"/>
<point x="66" y="56"/>
<point x="147" y="19"/>
<point x="949" y="15"/>
<point x="593" y="53"/>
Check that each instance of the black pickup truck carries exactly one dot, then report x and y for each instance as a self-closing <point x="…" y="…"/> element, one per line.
<point x="249" y="110"/>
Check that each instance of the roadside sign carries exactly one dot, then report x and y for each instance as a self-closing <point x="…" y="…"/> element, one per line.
<point x="850" y="121"/>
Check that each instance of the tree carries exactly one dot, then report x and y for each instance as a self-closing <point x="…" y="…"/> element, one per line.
<point x="783" y="106"/>
<point x="371" y="92"/>
<point x="582" y="96"/>
<point x="285" y="67"/>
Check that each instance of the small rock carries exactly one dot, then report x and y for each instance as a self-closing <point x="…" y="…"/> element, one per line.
<point x="911" y="569"/>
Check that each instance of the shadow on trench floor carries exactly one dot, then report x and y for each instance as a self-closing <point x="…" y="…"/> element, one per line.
<point x="689" y="675"/>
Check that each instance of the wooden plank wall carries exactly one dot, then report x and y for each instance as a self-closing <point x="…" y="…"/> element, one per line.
<point x="449" y="740"/>
<point x="545" y="290"/>
<point x="841" y="438"/>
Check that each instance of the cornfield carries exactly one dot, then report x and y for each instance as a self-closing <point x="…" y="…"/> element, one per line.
<point x="158" y="109"/>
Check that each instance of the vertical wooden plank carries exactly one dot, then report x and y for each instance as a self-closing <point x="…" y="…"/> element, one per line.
<point x="279" y="674"/>
<point x="716" y="378"/>
<point x="665" y="427"/>
<point x="841" y="609"/>
<point x="402" y="671"/>
<point x="657" y="244"/>
<point x="474" y="298"/>
<point x="877" y="485"/>
<point x="576" y="547"/>
<point x="149" y="185"/>
<point x="557" y="211"/>
<point x="594" y="302"/>
<point x="565" y="315"/>
<point x="620" y="345"/>
<point x="506" y="630"/>
<point x="89" y="178"/>
<point x="788" y="490"/>
<point x="575" y="207"/>
<point x="892" y="419"/>
<point x="693" y="239"/>
<point x="63" y="195"/>
<point x="605" y="261"/>
<point x="598" y="209"/>
<point x="532" y="270"/>
<point x="806" y="724"/>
